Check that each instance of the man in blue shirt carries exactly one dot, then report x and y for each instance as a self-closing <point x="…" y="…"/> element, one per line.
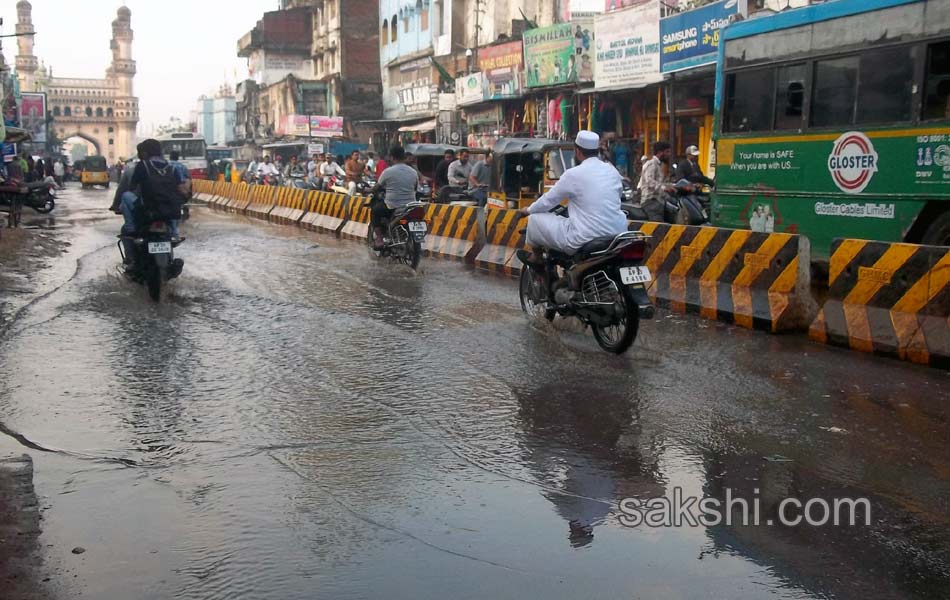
<point x="184" y="180"/>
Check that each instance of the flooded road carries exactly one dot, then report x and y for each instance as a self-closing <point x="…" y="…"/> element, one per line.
<point x="300" y="421"/>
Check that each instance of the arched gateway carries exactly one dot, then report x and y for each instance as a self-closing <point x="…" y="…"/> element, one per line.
<point x="101" y="111"/>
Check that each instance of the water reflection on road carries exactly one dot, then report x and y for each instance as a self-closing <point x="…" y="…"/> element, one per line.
<point x="298" y="421"/>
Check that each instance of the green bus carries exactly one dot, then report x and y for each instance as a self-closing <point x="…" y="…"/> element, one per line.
<point x="833" y="120"/>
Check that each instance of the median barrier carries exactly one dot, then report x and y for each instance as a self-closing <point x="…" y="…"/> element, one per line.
<point x="234" y="195"/>
<point x="754" y="280"/>
<point x="290" y="206"/>
<point x="215" y="197"/>
<point x="260" y="203"/>
<point x="201" y="189"/>
<point x="503" y="238"/>
<point x="453" y="232"/>
<point x="356" y="226"/>
<point x="326" y="212"/>
<point x="888" y="298"/>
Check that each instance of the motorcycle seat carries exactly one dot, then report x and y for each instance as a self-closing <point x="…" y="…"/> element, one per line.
<point x="595" y="245"/>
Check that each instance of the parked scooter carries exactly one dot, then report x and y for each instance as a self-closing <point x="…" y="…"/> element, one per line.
<point x="687" y="205"/>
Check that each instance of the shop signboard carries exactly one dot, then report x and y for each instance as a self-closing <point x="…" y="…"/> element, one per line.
<point x="489" y="116"/>
<point x="691" y="39"/>
<point x="469" y="89"/>
<point x="503" y="66"/>
<point x="549" y="56"/>
<point x="326" y="126"/>
<point x="297" y="125"/>
<point x="33" y="115"/>
<point x="584" y="42"/>
<point x="628" y="48"/>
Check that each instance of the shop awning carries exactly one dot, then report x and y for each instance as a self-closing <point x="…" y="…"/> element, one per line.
<point x="15" y="135"/>
<point x="423" y="126"/>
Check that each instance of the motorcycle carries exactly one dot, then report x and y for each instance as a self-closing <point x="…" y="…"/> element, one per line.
<point x="603" y="285"/>
<point x="424" y="192"/>
<point x="364" y="186"/>
<point x="403" y="234"/>
<point x="150" y="257"/>
<point x="299" y="182"/>
<point x="687" y="205"/>
<point x="38" y="195"/>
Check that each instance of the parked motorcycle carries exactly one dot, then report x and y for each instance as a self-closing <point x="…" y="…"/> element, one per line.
<point x="603" y="285"/>
<point x="403" y="234"/>
<point x="38" y="195"/>
<point x="424" y="191"/>
<point x="151" y="257"/>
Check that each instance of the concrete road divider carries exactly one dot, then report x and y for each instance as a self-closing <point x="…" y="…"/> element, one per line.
<point x="755" y="280"/>
<point x="888" y="298"/>
<point x="217" y="197"/>
<point x="326" y="212"/>
<point x="261" y="201"/>
<point x="234" y="196"/>
<point x="453" y="232"/>
<point x="356" y="226"/>
<point x="290" y="206"/>
<point x="201" y="189"/>
<point x="503" y="238"/>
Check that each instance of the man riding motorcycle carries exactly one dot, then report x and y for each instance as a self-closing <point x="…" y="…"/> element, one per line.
<point x="294" y="169"/>
<point x="399" y="182"/>
<point x="268" y="169"/>
<point x="592" y="190"/>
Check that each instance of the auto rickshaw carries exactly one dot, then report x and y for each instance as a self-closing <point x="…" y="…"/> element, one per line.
<point x="525" y="168"/>
<point x="94" y="172"/>
<point x="428" y="157"/>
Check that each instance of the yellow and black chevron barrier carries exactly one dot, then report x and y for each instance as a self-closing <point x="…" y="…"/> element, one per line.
<point x="453" y="232"/>
<point x="326" y="212"/>
<point x="888" y="298"/>
<point x="290" y="206"/>
<point x="356" y="226"/>
<point x="754" y="280"/>
<point x="260" y="203"/>
<point x="503" y="237"/>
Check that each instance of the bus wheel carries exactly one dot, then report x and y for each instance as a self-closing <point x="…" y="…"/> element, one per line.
<point x="938" y="234"/>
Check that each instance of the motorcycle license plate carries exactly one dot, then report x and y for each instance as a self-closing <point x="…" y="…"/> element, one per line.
<point x="635" y="275"/>
<point x="159" y="247"/>
<point x="417" y="226"/>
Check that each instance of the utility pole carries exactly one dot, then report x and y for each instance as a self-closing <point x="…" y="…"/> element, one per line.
<point x="478" y="27"/>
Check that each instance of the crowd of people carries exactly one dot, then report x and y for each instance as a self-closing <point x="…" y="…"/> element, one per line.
<point x="24" y="168"/>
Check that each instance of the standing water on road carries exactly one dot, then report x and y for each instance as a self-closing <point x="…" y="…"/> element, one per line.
<point x="298" y="420"/>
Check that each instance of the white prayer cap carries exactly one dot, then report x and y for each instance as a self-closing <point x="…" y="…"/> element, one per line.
<point x="588" y="140"/>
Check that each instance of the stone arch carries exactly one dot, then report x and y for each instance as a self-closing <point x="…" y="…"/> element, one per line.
<point x="92" y="140"/>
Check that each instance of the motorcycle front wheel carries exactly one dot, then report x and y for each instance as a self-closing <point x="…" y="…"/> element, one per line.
<point x="46" y="207"/>
<point x="532" y="291"/>
<point x="618" y="337"/>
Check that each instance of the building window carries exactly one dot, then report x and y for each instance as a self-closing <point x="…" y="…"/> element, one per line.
<point x="790" y="97"/>
<point x="394" y="24"/>
<point x="405" y="24"/>
<point x="111" y="141"/>
<point x="111" y="130"/>
<point x="67" y="112"/>
<point x="384" y="32"/>
<point x="937" y="82"/>
<point x="424" y="17"/>
<point x="88" y="111"/>
<point x="55" y="111"/>
<point x="99" y="112"/>
<point x="748" y="100"/>
<point x="109" y="112"/>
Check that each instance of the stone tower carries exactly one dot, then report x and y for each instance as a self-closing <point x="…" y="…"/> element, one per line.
<point x="26" y="63"/>
<point x="122" y="71"/>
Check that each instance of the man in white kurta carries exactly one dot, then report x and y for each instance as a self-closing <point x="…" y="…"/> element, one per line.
<point x="592" y="190"/>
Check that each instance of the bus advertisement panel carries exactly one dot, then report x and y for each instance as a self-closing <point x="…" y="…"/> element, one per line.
<point x="844" y="136"/>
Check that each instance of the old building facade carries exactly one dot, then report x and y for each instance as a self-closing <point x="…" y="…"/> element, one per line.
<point x="104" y="112"/>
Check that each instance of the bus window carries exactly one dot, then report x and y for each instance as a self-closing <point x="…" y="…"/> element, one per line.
<point x="790" y="98"/>
<point x="747" y="92"/>
<point x="832" y="100"/>
<point x="885" y="91"/>
<point x="937" y="82"/>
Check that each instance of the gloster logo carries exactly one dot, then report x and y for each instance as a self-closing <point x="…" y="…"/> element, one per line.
<point x="853" y="162"/>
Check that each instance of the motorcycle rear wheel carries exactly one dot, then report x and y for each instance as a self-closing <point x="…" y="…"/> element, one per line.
<point x="153" y="281"/>
<point x="413" y="254"/>
<point x="529" y="288"/>
<point x="47" y="206"/>
<point x="618" y="338"/>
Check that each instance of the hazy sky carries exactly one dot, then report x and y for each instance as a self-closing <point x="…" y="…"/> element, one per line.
<point x="183" y="48"/>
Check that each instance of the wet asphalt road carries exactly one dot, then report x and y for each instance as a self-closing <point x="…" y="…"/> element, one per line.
<point x="300" y="421"/>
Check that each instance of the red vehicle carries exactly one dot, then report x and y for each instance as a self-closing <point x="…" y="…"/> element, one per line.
<point x="192" y="149"/>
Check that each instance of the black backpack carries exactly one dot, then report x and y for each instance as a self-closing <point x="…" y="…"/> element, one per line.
<point x="160" y="195"/>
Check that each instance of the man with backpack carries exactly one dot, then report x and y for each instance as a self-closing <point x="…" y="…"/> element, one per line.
<point x="162" y="188"/>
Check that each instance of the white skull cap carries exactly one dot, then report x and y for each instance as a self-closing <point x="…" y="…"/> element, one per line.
<point x="588" y="140"/>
